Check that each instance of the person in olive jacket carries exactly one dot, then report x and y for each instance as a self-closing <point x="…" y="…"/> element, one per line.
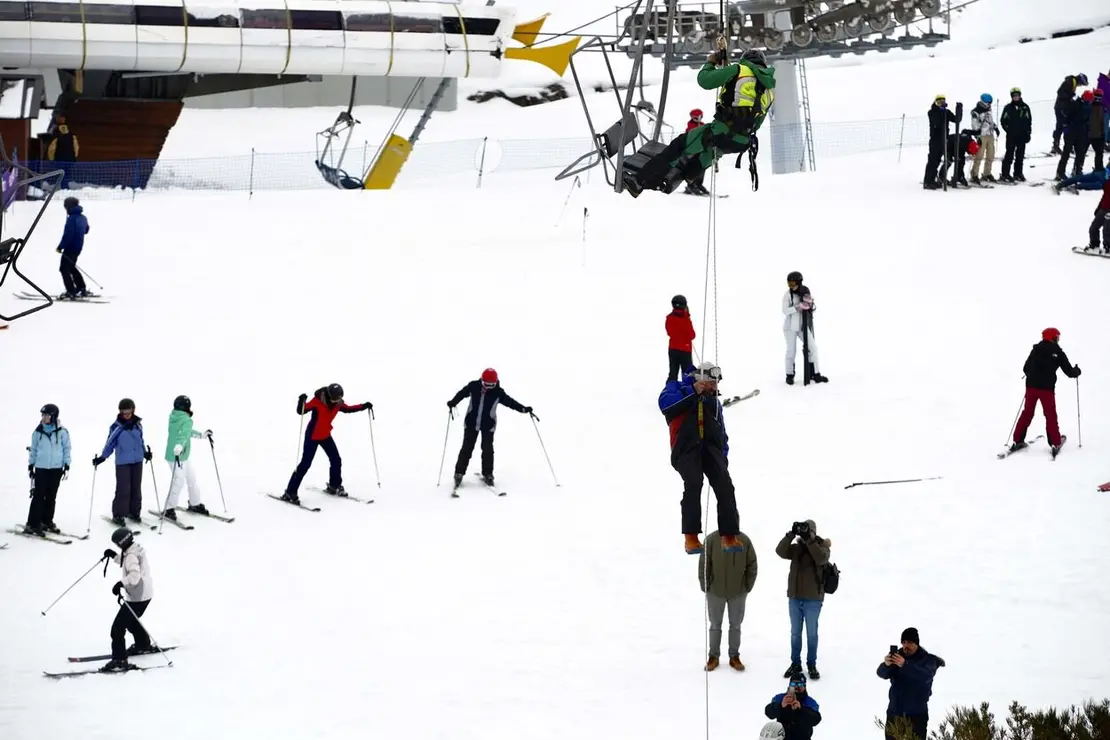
<point x="910" y="670"/>
<point x="796" y="710"/>
<point x="805" y="590"/>
<point x="731" y="577"/>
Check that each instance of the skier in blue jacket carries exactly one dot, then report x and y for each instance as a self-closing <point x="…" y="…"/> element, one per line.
<point x="73" y="241"/>
<point x="125" y="438"/>
<point x="47" y="464"/>
<point x="1090" y="181"/>
<point x="795" y="710"/>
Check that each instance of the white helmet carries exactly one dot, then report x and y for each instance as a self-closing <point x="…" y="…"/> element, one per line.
<point x="707" y="371"/>
<point x="772" y="731"/>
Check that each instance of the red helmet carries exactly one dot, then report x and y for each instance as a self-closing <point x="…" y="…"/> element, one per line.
<point x="696" y="113"/>
<point x="1088" y="96"/>
<point x="973" y="147"/>
<point x="489" y="375"/>
<point x="1050" y="334"/>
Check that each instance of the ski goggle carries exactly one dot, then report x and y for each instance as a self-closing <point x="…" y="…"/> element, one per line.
<point x="798" y="685"/>
<point x="487" y="384"/>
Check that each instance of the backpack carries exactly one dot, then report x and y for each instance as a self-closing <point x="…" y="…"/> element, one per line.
<point x="830" y="578"/>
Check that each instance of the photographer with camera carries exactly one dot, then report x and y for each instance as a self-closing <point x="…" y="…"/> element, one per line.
<point x="805" y="590"/>
<point x="910" y="671"/>
<point x="796" y="710"/>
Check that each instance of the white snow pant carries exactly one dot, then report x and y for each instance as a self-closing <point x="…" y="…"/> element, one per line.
<point x="179" y="477"/>
<point x="793" y="338"/>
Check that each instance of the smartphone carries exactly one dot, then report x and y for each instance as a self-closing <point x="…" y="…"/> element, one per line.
<point x="893" y="649"/>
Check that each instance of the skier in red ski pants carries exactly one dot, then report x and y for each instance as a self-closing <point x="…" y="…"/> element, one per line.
<point x="1040" y="385"/>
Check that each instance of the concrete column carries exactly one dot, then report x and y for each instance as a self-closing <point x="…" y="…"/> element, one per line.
<point x="788" y="149"/>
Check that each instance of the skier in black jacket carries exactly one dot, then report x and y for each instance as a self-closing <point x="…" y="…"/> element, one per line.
<point x="795" y="710"/>
<point x="481" y="416"/>
<point x="1065" y="94"/>
<point x="939" y="118"/>
<point x="1040" y="385"/>
<point x="1076" y="135"/>
<point x="1017" y="122"/>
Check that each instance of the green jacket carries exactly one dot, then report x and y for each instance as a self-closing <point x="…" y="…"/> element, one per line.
<point x="699" y="140"/>
<point x="180" y="433"/>
<point x="806" y="561"/>
<point x="731" y="574"/>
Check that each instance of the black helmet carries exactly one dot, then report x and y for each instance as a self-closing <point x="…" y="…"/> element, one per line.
<point x="126" y="404"/>
<point x="755" y="56"/>
<point x="52" y="410"/>
<point x="334" y="392"/>
<point x="795" y="277"/>
<point x="123" y="537"/>
<point x="182" y="403"/>
<point x="679" y="301"/>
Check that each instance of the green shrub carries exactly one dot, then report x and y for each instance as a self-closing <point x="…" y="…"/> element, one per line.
<point x="1091" y="721"/>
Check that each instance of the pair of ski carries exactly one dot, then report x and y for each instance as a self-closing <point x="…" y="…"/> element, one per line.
<point x="319" y="489"/>
<point x="493" y="489"/>
<point x="182" y="525"/>
<point x="1003" y="455"/>
<point x="91" y="298"/>
<point x="99" y="658"/>
<point x="1091" y="252"/>
<point x="737" y="399"/>
<point x="61" y="538"/>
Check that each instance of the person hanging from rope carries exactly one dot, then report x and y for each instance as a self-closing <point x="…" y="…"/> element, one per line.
<point x="746" y="94"/>
<point x="699" y="449"/>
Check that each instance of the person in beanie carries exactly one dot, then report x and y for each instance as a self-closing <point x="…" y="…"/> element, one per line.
<point x="325" y="405"/>
<point x="73" y="241"/>
<point x="699" y="449"/>
<point x="805" y="590"/>
<point x="179" y="445"/>
<point x="696" y="184"/>
<point x="796" y="304"/>
<point x="125" y="439"/>
<point x="1040" y="368"/>
<point x="1017" y="122"/>
<point x="681" y="335"/>
<point x="485" y="395"/>
<point x="910" y="670"/>
<point x="47" y="465"/>
<point x="731" y="577"/>
<point x="795" y="710"/>
<point x="133" y="591"/>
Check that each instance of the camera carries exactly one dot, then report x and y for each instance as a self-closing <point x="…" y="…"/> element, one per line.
<point x="801" y="529"/>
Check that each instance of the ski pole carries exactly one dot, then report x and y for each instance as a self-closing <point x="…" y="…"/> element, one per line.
<point x="1078" y="416"/>
<point x="443" y="457"/>
<point x="173" y="479"/>
<point x="90" y="570"/>
<point x="373" y="449"/>
<point x="544" y="447"/>
<point x="90" y="277"/>
<point x="1018" y="414"/>
<point x="885" y="482"/>
<point x="220" y="483"/>
<point x="92" y="495"/>
<point x="297" y="454"/>
<point x="577" y="183"/>
<point x="140" y="623"/>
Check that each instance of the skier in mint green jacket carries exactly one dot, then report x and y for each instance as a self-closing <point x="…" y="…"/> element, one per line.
<point x="179" y="442"/>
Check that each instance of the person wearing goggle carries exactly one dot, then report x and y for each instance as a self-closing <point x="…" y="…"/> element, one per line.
<point x="485" y="395"/>
<point x="795" y="710"/>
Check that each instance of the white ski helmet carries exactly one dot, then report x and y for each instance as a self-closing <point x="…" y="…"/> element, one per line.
<point x="772" y="731"/>
<point x="707" y="371"/>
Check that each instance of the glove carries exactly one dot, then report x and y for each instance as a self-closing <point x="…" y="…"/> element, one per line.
<point x="303" y="397"/>
<point x="65" y="470"/>
<point x="368" y="406"/>
<point x="1078" y="372"/>
<point x="148" y="455"/>
<point x="30" y="471"/>
<point x="450" y="404"/>
<point x="177" y="450"/>
<point x="527" y="409"/>
<point x="97" y="460"/>
<point x="109" y="554"/>
<point x="117" y="588"/>
<point x="208" y="434"/>
<point x="805" y="306"/>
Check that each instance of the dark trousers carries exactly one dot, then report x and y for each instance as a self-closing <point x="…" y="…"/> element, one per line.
<point x="933" y="164"/>
<point x="680" y="362"/>
<point x="470" y="436"/>
<point x="1101" y="221"/>
<point x="1061" y="124"/>
<point x="44" y="497"/>
<point x="129" y="490"/>
<point x="1098" y="146"/>
<point x="1015" y="157"/>
<point x="71" y="276"/>
<point x="707" y="462"/>
<point x="918" y="722"/>
<point x="335" y="469"/>
<point x="1071" y="145"/>
<point x="125" y="622"/>
<point x="1047" y="400"/>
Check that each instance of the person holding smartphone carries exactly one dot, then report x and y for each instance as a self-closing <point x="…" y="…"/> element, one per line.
<point x="795" y="710"/>
<point x="910" y="670"/>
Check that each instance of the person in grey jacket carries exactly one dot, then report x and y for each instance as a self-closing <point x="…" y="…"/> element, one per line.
<point x="133" y="592"/>
<point x="731" y="577"/>
<point x="805" y="590"/>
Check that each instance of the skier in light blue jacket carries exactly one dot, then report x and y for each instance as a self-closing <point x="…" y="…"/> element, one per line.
<point x="47" y="465"/>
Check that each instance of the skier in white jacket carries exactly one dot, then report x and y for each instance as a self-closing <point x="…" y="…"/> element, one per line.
<point x="795" y="304"/>
<point x="982" y="123"/>
<point x="133" y="592"/>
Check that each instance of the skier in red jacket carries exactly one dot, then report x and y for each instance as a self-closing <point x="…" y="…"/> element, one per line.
<point x="1102" y="221"/>
<point x="326" y="403"/>
<point x="680" y="330"/>
<point x="696" y="186"/>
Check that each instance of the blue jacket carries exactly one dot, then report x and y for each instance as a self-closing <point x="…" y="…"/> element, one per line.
<point x="125" y="438"/>
<point x="798" y="724"/>
<point x="73" y="235"/>
<point x="49" y="447"/>
<point x="912" y="684"/>
<point x="679" y="405"/>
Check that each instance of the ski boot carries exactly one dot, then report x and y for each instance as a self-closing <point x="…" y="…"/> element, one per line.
<point x="1019" y="177"/>
<point x="795" y="669"/>
<point x="989" y="178"/>
<point x="693" y="544"/>
<point x="141" y="649"/>
<point x="813" y="672"/>
<point x="458" y="479"/>
<point x="170" y="514"/>
<point x="1006" y="178"/>
<point x="1018" y="446"/>
<point x="291" y="497"/>
<point x="1056" y="448"/>
<point x="36" y="530"/>
<point x="976" y="181"/>
<point x="133" y="518"/>
<point x="117" y="666"/>
<point x="118" y="521"/>
<point x="488" y="480"/>
<point x="336" y="491"/>
<point x="52" y="528"/>
<point x="790" y="379"/>
<point x="198" y="509"/>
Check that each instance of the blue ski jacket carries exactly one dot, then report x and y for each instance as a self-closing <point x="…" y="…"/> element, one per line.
<point x="125" y="438"/>
<point x="49" y="447"/>
<point x="73" y="235"/>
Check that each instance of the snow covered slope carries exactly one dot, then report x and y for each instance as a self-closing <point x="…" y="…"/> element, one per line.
<point x="555" y="611"/>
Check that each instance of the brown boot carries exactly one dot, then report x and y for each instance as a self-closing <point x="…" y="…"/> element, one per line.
<point x="712" y="663"/>
<point x="693" y="545"/>
<point x="735" y="664"/>
<point x="731" y="543"/>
